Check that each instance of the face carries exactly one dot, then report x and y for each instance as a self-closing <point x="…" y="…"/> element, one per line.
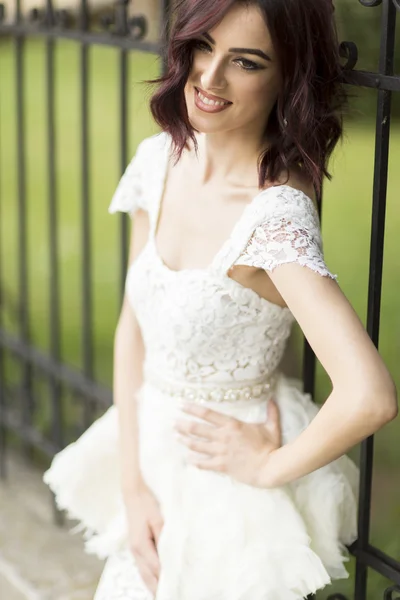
<point x="235" y="79"/>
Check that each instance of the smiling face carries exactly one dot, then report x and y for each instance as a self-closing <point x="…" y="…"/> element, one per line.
<point x="234" y="80"/>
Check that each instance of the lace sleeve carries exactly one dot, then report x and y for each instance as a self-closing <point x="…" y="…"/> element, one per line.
<point x="290" y="232"/>
<point x="129" y="194"/>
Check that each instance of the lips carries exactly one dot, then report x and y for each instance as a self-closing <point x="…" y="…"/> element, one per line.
<point x="211" y="96"/>
<point x="209" y="104"/>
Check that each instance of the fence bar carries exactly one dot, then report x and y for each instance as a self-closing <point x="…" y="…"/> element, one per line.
<point x="165" y="10"/>
<point x="123" y="122"/>
<point x="88" y="38"/>
<point x="87" y="341"/>
<point x="75" y="380"/>
<point x="372" y="80"/>
<point x="3" y="399"/>
<point x="3" y="408"/>
<point x="22" y="236"/>
<point x="29" y="433"/>
<point x="382" y="134"/>
<point x="54" y="302"/>
<point x="379" y="561"/>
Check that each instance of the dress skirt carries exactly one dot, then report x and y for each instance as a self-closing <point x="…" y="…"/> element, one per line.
<point x="221" y="539"/>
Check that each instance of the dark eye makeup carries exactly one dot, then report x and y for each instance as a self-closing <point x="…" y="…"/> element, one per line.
<point x="247" y="65"/>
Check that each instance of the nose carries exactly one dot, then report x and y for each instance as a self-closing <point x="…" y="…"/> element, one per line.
<point x="213" y="76"/>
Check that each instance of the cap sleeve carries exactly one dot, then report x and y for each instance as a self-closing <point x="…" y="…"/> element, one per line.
<point x="288" y="231"/>
<point x="129" y="194"/>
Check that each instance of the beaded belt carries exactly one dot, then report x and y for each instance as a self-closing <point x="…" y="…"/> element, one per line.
<point x="209" y="391"/>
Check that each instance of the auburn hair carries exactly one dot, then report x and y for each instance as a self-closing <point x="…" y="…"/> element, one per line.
<point x="306" y="121"/>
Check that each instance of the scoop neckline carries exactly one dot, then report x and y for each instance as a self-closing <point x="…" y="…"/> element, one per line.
<point x="212" y="265"/>
<point x="210" y="272"/>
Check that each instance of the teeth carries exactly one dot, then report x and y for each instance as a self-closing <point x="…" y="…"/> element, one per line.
<point x="211" y="102"/>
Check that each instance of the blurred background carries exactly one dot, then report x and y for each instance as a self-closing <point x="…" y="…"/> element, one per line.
<point x="72" y="113"/>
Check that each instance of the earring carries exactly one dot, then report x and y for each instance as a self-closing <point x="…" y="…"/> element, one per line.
<point x="285" y="122"/>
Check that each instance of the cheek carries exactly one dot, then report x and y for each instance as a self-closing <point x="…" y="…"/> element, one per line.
<point x="260" y="94"/>
<point x="189" y="90"/>
<point x="254" y="96"/>
<point x="254" y="89"/>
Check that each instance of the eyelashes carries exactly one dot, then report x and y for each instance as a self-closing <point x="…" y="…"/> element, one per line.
<point x="246" y="65"/>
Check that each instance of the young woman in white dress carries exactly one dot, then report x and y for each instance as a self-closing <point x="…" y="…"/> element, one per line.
<point x="214" y="476"/>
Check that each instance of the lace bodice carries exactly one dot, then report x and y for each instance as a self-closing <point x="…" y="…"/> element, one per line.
<point x="199" y="324"/>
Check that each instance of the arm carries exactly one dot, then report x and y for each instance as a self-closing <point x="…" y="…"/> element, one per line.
<point x="143" y="513"/>
<point x="289" y="249"/>
<point x="364" y="395"/>
<point x="128" y="362"/>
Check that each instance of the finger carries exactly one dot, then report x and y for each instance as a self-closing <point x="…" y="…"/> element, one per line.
<point x="207" y="414"/>
<point x="156" y="528"/>
<point x="148" y="577"/>
<point x="149" y="554"/>
<point x="209" y="448"/>
<point x="199" y="429"/>
<point x="211" y="464"/>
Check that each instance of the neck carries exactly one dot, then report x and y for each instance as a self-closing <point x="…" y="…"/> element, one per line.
<point x="230" y="157"/>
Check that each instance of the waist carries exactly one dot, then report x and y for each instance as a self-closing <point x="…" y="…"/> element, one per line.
<point x="207" y="391"/>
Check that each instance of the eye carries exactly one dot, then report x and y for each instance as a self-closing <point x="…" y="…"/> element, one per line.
<point x="248" y="65"/>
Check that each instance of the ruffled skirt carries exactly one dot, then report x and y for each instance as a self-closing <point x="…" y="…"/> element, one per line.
<point x="222" y="539"/>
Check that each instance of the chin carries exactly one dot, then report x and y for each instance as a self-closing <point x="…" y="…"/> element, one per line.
<point x="204" y="124"/>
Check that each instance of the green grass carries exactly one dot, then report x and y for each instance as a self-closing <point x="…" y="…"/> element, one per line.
<point x="346" y="228"/>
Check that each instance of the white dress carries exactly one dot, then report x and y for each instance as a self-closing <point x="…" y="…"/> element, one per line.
<point x="209" y="339"/>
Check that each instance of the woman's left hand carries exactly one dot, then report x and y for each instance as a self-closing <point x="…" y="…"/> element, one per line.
<point x="238" y="449"/>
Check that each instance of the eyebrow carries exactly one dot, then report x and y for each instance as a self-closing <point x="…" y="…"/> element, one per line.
<point x="254" y="51"/>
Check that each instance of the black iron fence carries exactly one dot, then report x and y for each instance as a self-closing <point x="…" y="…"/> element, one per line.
<point x="18" y="388"/>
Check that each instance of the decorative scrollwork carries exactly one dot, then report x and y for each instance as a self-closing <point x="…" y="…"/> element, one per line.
<point x="118" y="23"/>
<point x="63" y="18"/>
<point x="349" y="51"/>
<point x="138" y="27"/>
<point x="388" y="594"/>
<point x="106" y="21"/>
<point x="37" y="16"/>
<point x="59" y="18"/>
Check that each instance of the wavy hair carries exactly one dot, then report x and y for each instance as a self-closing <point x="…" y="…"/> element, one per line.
<point x="306" y="122"/>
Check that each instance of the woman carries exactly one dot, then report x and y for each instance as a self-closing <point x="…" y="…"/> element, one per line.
<point x="243" y="492"/>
